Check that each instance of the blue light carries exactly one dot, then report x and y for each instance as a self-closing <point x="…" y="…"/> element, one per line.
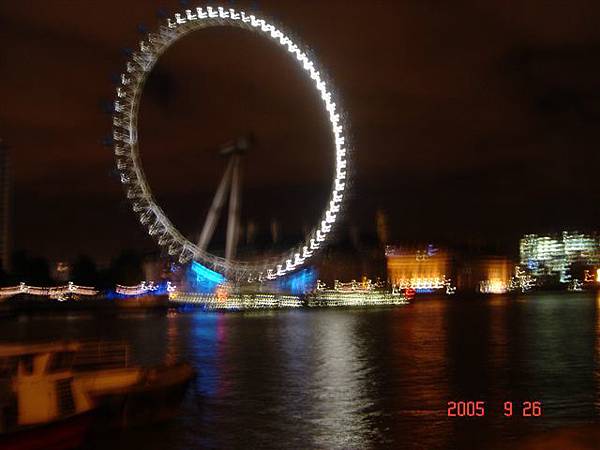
<point x="424" y="290"/>
<point x="431" y="250"/>
<point x="204" y="272"/>
<point x="202" y="279"/>
<point x="299" y="282"/>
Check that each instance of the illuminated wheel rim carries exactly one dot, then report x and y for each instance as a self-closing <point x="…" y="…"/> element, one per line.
<point x="125" y="136"/>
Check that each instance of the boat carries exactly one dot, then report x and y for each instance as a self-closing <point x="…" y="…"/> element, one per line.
<point x="122" y="391"/>
<point x="154" y="397"/>
<point x="354" y="294"/>
<point x="42" y="406"/>
<point x="53" y="394"/>
<point x="125" y="393"/>
<point x="146" y="301"/>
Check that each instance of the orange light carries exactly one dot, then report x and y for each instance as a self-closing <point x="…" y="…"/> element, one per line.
<point x="222" y="294"/>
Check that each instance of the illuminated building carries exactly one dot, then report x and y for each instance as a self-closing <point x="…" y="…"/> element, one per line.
<point x="497" y="275"/>
<point x="522" y="280"/>
<point x="4" y="208"/>
<point x="485" y="274"/>
<point x="420" y="269"/>
<point x="559" y="255"/>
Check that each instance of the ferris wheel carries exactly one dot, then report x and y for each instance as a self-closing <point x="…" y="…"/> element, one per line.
<point x="127" y="152"/>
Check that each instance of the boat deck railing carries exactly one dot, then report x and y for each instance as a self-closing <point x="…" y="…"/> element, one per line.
<point x="102" y="355"/>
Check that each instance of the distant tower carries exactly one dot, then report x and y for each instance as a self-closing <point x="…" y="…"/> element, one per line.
<point x="275" y="231"/>
<point x="4" y="207"/>
<point x="251" y="229"/>
<point x="383" y="231"/>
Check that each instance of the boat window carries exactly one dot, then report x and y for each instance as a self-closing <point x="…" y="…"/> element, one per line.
<point x="61" y="361"/>
<point x="27" y="364"/>
<point x="8" y="367"/>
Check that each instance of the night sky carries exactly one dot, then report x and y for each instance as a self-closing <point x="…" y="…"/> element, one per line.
<point x="469" y="120"/>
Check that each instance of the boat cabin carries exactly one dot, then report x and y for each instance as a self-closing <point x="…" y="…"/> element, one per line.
<point x="37" y="385"/>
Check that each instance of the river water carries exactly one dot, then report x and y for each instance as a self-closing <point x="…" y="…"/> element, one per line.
<point x="354" y="379"/>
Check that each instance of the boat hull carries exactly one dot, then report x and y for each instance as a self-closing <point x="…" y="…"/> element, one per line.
<point x="144" y="302"/>
<point x="65" y="434"/>
<point x="155" y="398"/>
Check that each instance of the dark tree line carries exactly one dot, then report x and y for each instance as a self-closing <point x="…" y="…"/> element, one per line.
<point x="127" y="269"/>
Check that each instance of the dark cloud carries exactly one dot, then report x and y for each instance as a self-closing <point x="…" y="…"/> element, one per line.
<point x="467" y="117"/>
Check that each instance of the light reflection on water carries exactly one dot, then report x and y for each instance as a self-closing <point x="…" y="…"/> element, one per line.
<point x="340" y="405"/>
<point x="360" y="378"/>
<point x="597" y="354"/>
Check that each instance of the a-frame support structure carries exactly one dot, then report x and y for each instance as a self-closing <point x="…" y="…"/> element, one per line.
<point x="231" y="184"/>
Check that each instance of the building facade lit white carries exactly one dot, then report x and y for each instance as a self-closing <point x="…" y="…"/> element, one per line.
<point x="555" y="255"/>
